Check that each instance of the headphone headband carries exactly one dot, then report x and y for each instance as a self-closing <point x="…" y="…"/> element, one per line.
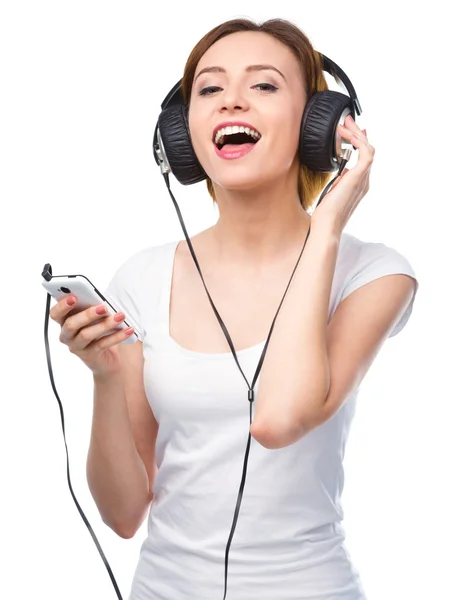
<point x="342" y="80"/>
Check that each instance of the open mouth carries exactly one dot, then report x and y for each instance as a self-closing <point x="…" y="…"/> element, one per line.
<point x="233" y="137"/>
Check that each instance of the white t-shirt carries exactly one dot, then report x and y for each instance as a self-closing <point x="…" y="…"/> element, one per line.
<point x="289" y="542"/>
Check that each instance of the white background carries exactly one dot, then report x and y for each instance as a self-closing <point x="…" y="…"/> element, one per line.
<point x="82" y="84"/>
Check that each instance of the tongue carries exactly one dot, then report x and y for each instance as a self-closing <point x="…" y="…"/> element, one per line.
<point x="236" y="147"/>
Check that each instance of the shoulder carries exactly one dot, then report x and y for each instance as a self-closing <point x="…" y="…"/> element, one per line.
<point x="149" y="257"/>
<point x="361" y="262"/>
<point x="140" y="270"/>
<point x="136" y="284"/>
<point x="357" y="254"/>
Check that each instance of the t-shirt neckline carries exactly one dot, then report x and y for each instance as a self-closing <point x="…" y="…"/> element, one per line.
<point x="165" y="299"/>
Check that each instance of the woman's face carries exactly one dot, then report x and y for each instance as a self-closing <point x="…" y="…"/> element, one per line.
<point x="252" y="79"/>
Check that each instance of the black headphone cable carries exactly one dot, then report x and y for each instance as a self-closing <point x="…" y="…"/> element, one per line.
<point x="345" y="158"/>
<point x="48" y="274"/>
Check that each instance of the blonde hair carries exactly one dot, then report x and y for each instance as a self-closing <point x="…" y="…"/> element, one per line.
<point x="310" y="183"/>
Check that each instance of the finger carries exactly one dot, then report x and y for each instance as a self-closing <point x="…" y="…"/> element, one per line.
<point x="347" y="132"/>
<point x="351" y="125"/>
<point x="89" y="333"/>
<point x="61" y="309"/>
<point x="111" y="340"/>
<point x="360" y="142"/>
<point x="366" y="151"/>
<point x="73" y="324"/>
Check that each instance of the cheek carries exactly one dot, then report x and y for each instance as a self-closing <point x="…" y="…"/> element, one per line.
<point x="195" y="126"/>
<point x="294" y="124"/>
<point x="285" y="142"/>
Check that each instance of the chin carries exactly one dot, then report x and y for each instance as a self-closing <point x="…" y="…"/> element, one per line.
<point x="239" y="184"/>
<point x="240" y="178"/>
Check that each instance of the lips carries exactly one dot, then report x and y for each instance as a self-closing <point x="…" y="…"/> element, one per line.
<point x="233" y="151"/>
<point x="235" y="128"/>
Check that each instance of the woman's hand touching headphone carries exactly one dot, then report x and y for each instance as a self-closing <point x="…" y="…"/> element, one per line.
<point x="339" y="203"/>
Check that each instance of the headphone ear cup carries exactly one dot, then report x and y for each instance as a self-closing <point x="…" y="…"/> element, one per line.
<point x="318" y="130"/>
<point x="175" y="135"/>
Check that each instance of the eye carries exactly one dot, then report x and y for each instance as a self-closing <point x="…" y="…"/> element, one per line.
<point x="209" y="91"/>
<point x="266" y="87"/>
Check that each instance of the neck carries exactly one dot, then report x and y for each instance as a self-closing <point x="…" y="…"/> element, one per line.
<point x="258" y="229"/>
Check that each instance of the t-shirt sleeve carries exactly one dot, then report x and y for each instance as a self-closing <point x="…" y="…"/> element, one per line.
<point x="377" y="260"/>
<point x="123" y="292"/>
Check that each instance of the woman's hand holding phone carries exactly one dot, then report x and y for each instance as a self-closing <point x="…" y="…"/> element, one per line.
<point x="79" y="333"/>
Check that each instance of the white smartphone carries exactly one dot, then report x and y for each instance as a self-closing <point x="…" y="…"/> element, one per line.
<point x="59" y="286"/>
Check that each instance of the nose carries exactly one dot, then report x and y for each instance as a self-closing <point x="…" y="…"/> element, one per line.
<point x="232" y="99"/>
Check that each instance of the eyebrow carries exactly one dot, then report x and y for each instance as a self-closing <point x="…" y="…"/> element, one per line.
<point x="249" y="69"/>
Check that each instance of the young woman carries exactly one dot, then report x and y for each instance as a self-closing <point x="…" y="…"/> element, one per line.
<point x="171" y="412"/>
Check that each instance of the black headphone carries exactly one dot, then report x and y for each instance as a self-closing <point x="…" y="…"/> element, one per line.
<point x="320" y="146"/>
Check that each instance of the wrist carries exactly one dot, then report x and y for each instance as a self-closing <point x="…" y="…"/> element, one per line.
<point x="327" y="229"/>
<point x="113" y="378"/>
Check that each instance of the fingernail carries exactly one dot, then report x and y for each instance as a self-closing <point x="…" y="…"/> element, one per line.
<point x="364" y="131"/>
<point x="70" y="301"/>
<point x="100" y="310"/>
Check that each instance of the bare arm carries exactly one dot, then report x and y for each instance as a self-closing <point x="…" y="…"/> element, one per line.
<point x="295" y="376"/>
<point x="313" y="367"/>
<point x="121" y="463"/>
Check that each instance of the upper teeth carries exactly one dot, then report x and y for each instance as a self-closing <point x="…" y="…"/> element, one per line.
<point x="235" y="129"/>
